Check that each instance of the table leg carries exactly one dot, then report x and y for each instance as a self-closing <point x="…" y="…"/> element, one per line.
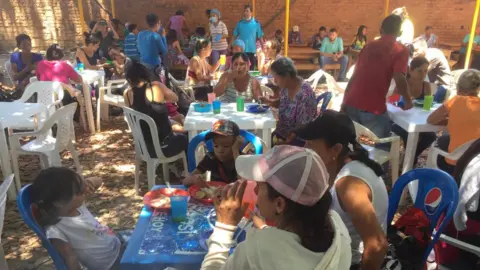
<point x="7" y="166"/>
<point x="267" y="138"/>
<point x="88" y="107"/>
<point x="410" y="150"/>
<point x="105" y="107"/>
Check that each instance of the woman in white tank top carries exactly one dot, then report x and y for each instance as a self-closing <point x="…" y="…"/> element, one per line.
<point x="359" y="193"/>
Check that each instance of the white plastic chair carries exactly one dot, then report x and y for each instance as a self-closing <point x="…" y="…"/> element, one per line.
<point x="33" y="79"/>
<point x="134" y="119"/>
<point x="337" y="89"/>
<point x="106" y="97"/>
<point x="45" y="145"/>
<point x="182" y="86"/>
<point x="266" y="91"/>
<point x="434" y="152"/>
<point x="3" y="199"/>
<point x="315" y="78"/>
<point x="49" y="94"/>
<point x="8" y="71"/>
<point x="379" y="155"/>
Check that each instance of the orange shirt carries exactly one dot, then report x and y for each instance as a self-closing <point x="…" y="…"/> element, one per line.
<point x="463" y="121"/>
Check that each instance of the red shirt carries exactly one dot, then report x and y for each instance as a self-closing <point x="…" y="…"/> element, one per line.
<point x="376" y="64"/>
<point x="56" y="71"/>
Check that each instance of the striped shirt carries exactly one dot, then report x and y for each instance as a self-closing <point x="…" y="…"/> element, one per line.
<point x="130" y="46"/>
<point x="220" y="29"/>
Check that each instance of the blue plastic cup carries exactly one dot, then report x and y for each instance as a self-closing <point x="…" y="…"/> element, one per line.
<point x="216" y="106"/>
<point x="80" y="66"/>
<point x="179" y="208"/>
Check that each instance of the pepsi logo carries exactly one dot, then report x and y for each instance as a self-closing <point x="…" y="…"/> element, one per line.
<point x="433" y="200"/>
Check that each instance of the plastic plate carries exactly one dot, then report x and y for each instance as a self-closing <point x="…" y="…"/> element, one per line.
<point x="194" y="189"/>
<point x="150" y="198"/>
<point x="257" y="108"/>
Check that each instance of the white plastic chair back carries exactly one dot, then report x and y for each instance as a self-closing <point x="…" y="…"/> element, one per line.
<point x="315" y="78"/>
<point x="3" y="199"/>
<point x="8" y="70"/>
<point x="434" y="152"/>
<point x="134" y="119"/>
<point x="49" y="94"/>
<point x="33" y="79"/>
<point x="361" y="130"/>
<point x="266" y="91"/>
<point x="350" y="72"/>
<point x="63" y="117"/>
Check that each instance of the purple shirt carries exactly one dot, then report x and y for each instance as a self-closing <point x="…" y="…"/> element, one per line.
<point x="176" y="23"/>
<point x="16" y="58"/>
<point x="301" y="110"/>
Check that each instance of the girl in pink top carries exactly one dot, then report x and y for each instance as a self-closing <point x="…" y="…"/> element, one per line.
<point x="177" y="23"/>
<point x="56" y="70"/>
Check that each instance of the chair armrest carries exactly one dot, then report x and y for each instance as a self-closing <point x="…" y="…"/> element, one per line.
<point x="388" y="139"/>
<point x="460" y="244"/>
<point x="119" y="81"/>
<point x="109" y="88"/>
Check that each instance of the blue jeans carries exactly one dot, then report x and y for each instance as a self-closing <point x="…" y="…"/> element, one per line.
<point x="343" y="61"/>
<point x="377" y="123"/>
<point x="216" y="55"/>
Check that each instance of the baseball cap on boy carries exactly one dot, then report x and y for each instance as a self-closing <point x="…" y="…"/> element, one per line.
<point x="224" y="128"/>
<point x="297" y="173"/>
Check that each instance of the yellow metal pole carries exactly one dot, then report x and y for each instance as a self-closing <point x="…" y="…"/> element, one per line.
<point x="82" y="18"/>
<point x="387" y="2"/>
<point x="472" y="35"/>
<point x="287" y="21"/>
<point x="253" y="7"/>
<point x="113" y="8"/>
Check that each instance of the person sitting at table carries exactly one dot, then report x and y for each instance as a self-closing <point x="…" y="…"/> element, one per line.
<point x="227" y="142"/>
<point x="316" y="41"/>
<point x="293" y="192"/>
<point x="439" y="71"/>
<point x="272" y="53"/>
<point x="151" y="97"/>
<point x="430" y="37"/>
<point x="331" y="52"/>
<point x="118" y="62"/>
<point x="200" y="72"/>
<point x="297" y="104"/>
<point x="418" y="90"/>
<point x="461" y="114"/>
<point x="463" y="48"/>
<point x="237" y="82"/>
<point x="86" y="54"/>
<point x="23" y="63"/>
<point x="360" y="38"/>
<point x="357" y="187"/>
<point x="295" y="37"/>
<point x="200" y="34"/>
<point x="108" y="36"/>
<point x="58" y="195"/>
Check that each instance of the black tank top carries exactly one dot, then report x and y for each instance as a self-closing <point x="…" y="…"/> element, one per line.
<point x="157" y="111"/>
<point x="91" y="60"/>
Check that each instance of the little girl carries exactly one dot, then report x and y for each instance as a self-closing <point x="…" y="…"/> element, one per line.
<point x="59" y="195"/>
<point x="174" y="54"/>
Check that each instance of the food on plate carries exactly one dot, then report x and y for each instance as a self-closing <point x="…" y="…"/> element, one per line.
<point x="200" y="194"/>
<point x="206" y="193"/>
<point x="161" y="202"/>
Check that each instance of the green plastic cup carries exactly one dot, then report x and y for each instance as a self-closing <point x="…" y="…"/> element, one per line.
<point x="427" y="103"/>
<point x="240" y="104"/>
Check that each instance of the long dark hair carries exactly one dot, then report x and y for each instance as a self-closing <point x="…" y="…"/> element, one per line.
<point x="171" y="36"/>
<point x="201" y="44"/>
<point x="244" y="56"/>
<point x="312" y="222"/>
<point x="91" y="38"/>
<point x="360" y="36"/>
<point x="136" y="72"/>
<point x="52" y="189"/>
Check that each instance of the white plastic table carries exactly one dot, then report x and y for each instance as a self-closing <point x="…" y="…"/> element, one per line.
<point x="195" y="121"/>
<point x="10" y="114"/>
<point x="90" y="77"/>
<point x="413" y="121"/>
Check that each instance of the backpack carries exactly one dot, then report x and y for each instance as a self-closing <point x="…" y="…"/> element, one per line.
<point x="408" y="240"/>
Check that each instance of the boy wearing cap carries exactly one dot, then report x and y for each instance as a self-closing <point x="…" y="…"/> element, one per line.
<point x="221" y="162"/>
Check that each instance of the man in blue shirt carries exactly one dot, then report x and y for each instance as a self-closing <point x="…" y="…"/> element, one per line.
<point x="331" y="52"/>
<point x="249" y="30"/>
<point x="151" y="46"/>
<point x="130" y="44"/>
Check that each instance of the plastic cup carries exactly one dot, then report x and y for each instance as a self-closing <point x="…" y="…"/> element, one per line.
<point x="427" y="103"/>
<point x="216" y="104"/>
<point x="211" y="97"/>
<point x="80" y="67"/>
<point x="240" y="104"/>
<point x="179" y="208"/>
<point x="223" y="59"/>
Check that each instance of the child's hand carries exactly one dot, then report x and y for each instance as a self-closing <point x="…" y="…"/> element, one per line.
<point x="196" y="180"/>
<point x="92" y="184"/>
<point x="258" y="222"/>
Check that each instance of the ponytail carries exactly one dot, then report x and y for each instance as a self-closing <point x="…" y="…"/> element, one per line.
<point x="358" y="153"/>
<point x="311" y="222"/>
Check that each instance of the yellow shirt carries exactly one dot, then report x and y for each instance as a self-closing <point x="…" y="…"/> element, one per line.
<point x="463" y="121"/>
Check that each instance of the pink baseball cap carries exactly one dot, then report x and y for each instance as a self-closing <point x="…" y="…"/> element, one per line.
<point x="297" y="173"/>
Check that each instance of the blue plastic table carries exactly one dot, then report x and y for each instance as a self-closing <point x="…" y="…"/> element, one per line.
<point x="157" y="242"/>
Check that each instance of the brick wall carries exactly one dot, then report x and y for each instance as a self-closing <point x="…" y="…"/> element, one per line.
<point x="49" y="21"/>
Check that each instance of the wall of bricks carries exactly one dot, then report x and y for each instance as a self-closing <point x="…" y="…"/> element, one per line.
<point x="57" y="21"/>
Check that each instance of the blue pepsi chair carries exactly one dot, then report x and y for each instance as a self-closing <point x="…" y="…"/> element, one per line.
<point x="437" y="195"/>
<point x="326" y="97"/>
<point x="24" y="203"/>
<point x="192" y="146"/>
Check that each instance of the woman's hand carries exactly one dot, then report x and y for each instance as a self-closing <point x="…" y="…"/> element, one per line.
<point x="229" y="203"/>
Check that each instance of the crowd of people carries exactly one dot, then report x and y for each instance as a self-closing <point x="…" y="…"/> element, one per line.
<point x="319" y="186"/>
